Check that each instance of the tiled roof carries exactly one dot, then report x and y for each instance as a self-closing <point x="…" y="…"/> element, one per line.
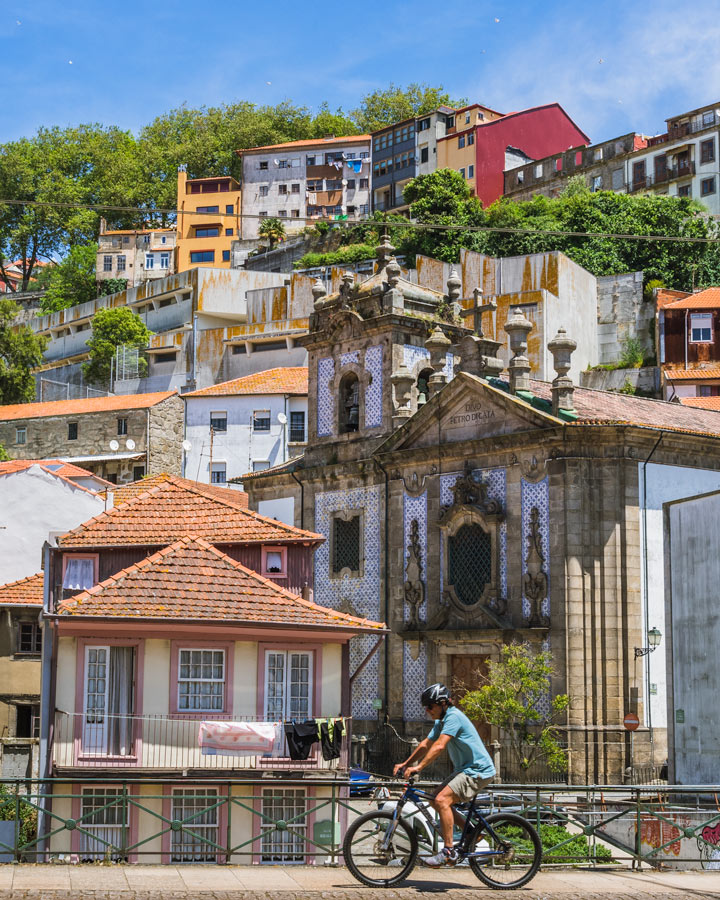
<point x="79" y="407"/>
<point x="288" y="466"/>
<point x="282" y="380"/>
<point x="177" y="507"/>
<point x="125" y="492"/>
<point x="191" y="579"/>
<point x="707" y="299"/>
<point x="317" y="142"/>
<point x="691" y="374"/>
<point x="702" y="402"/>
<point x="25" y="592"/>
<point x="56" y="466"/>
<point x="664" y="297"/>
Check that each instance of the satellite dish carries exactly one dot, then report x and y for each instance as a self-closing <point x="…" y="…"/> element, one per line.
<point x="130" y="444"/>
<point x="114" y="446"/>
<point x="282" y="418"/>
<point x="187" y="446"/>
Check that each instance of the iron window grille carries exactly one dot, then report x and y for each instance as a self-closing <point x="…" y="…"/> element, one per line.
<point x="469" y="562"/>
<point x="346" y="544"/>
<point x="297" y="427"/>
<point x="218" y="421"/>
<point x="261" y="420"/>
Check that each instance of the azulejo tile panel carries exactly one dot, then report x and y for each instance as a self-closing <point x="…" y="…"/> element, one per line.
<point x="326" y="370"/>
<point x="536" y="494"/>
<point x="373" y="392"/>
<point x="352" y="357"/>
<point x="413" y="355"/>
<point x="358" y="596"/>
<point x="414" y="682"/>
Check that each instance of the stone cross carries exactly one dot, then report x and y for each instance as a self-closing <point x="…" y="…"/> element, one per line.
<point x="477" y="310"/>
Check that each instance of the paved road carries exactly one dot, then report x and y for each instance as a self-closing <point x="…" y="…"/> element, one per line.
<point x="137" y="882"/>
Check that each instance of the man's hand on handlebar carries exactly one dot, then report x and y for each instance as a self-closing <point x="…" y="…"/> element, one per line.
<point x="411" y="771"/>
<point x="398" y="770"/>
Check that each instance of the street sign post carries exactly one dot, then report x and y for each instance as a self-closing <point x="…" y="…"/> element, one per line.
<point x="631" y="722"/>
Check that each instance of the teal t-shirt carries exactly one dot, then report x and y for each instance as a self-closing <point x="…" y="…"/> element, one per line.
<point x="466" y="749"/>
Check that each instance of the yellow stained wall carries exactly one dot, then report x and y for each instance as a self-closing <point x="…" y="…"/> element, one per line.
<point x="187" y="204"/>
<point x="450" y="157"/>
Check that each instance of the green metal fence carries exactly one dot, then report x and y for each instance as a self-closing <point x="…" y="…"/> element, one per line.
<point x="302" y="820"/>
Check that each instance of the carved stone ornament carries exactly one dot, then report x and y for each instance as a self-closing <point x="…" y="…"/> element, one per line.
<point x="533" y="469"/>
<point x="415" y="484"/>
<point x="535" y="582"/>
<point x="414" y="585"/>
<point x="343" y="325"/>
<point x="468" y="491"/>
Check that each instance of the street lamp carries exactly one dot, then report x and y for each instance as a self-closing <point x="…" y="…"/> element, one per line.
<point x="654" y="637"/>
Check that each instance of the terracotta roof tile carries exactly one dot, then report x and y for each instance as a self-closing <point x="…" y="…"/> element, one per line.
<point x="702" y="402"/>
<point x="691" y="374"/>
<point x="316" y="142"/>
<point x="85" y="405"/>
<point x="707" y="299"/>
<point x="56" y="466"/>
<point x="191" y="579"/>
<point x="125" y="492"/>
<point x="177" y="507"/>
<point x="283" y="380"/>
<point x="25" y="592"/>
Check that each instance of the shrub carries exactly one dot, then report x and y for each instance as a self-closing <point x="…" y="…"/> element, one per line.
<point x="352" y="253"/>
<point x="632" y="356"/>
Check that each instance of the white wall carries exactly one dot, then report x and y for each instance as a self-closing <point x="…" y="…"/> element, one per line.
<point x="239" y="446"/>
<point x="664" y="483"/>
<point x="34" y="503"/>
<point x="280" y="508"/>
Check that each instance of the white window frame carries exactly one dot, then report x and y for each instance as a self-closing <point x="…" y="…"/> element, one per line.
<point x="121" y="263"/>
<point x="149" y="261"/>
<point x="21" y="435"/>
<point x="94" y="732"/>
<point x="165" y="260"/>
<point x="103" y="831"/>
<point x="274" y="712"/>
<point x="200" y="680"/>
<point x="218" y="468"/>
<point x="184" y="849"/>
<point x="255" y="417"/>
<point x="701" y="327"/>
<point x="107" y="264"/>
<point x="286" y="847"/>
<point x="216" y="415"/>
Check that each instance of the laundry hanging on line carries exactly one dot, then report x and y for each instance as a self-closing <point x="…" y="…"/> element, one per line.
<point x="238" y="738"/>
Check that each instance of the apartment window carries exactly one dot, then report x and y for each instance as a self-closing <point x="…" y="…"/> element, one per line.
<point x="264" y="189"/>
<point x="538" y="171"/>
<point x="467" y="118"/>
<point x="126" y="240"/>
<point x="21" y="435"/>
<point x="229" y="232"/>
<point x="274" y="561"/>
<point x="263" y="165"/>
<point x="164" y="260"/>
<point x="103" y="824"/>
<point x="201" y="680"/>
<point x="462" y="172"/>
<point x="226" y="256"/>
<point x="121" y="263"/>
<point x="29" y="638"/>
<point x="122" y="426"/>
<point x="146" y="239"/>
<point x="707" y="186"/>
<point x="27" y="720"/>
<point x="707" y="151"/>
<point x="461" y="141"/>
<point x="282" y="214"/>
<point x="295" y="188"/>
<point x="424" y="154"/>
<point x="282" y="189"/>
<point x="598" y="154"/>
<point x="107" y="263"/>
<point x="138" y="472"/>
<point x="364" y="209"/>
<point x="288" y="684"/>
<point x="424" y="124"/>
<point x="315" y="185"/>
<point x="364" y="184"/>
<point x="261" y="420"/>
<point x="597" y="183"/>
<point x="149" y="261"/>
<point x="72" y="431"/>
<point x="208" y="209"/>
<point x="163" y="239"/>
<point x="334" y="184"/>
<point x="684" y="190"/>
<point x="471" y="171"/>
<point x="203" y="231"/>
<point x="297" y="427"/>
<point x="218" y="473"/>
<point x="346" y="543"/>
<point x="471" y="139"/>
<point x="617" y="179"/>
<point x="708" y="118"/>
<point x="288" y="805"/>
<point x="229" y="209"/>
<point x="294" y="213"/>
<point x="351" y="184"/>
<point x="309" y="160"/>
<point x="78" y="573"/>
<point x="701" y="328"/>
<point x="259" y="465"/>
<point x="202" y="256"/>
<point x="263" y="214"/>
<point x="198" y="808"/>
<point x="283" y="164"/>
<point x="218" y="421"/>
<point x="708" y="390"/>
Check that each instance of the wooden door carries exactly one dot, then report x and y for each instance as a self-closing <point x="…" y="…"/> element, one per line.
<point x="464" y="672"/>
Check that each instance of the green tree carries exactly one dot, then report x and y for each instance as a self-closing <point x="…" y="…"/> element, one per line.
<point x="112" y="328"/>
<point x="395" y="103"/>
<point x="512" y="697"/>
<point x="72" y="281"/>
<point x="273" y="229"/>
<point x="3" y="454"/>
<point x="21" y="350"/>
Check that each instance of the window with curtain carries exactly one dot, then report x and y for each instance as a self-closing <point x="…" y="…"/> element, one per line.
<point x="79" y="573"/>
<point x="288" y="685"/>
<point x="109" y="700"/>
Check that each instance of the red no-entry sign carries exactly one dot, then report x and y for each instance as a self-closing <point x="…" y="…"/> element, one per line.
<point x="631" y="722"/>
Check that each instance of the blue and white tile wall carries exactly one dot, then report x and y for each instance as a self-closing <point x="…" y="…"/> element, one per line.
<point x="411" y="355"/>
<point x="326" y="370"/>
<point x="536" y="494"/>
<point x="347" y="358"/>
<point x="373" y="392"/>
<point x="415" y="670"/>
<point x="496" y="482"/>
<point x="362" y="594"/>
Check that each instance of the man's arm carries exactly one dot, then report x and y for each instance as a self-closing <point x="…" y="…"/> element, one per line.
<point x="437" y="748"/>
<point x="418" y="753"/>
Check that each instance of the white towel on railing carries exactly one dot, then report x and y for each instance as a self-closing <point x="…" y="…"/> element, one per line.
<point x="236" y="738"/>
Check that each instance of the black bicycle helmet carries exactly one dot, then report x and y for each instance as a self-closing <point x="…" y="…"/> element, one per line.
<point x="436" y="693"/>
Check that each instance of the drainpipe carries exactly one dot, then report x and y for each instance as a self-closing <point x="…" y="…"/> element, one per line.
<point x="285" y="430"/>
<point x="302" y="500"/>
<point x="47" y="698"/>
<point x="386" y="586"/>
<point x="687" y="311"/>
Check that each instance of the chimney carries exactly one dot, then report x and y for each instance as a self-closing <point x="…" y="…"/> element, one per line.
<point x="561" y="347"/>
<point x="518" y="328"/>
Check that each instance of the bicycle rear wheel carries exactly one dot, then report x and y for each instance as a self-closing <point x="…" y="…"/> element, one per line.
<point x="513" y="855"/>
<point x="380" y="851"/>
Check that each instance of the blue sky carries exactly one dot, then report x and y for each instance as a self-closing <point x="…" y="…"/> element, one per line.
<point x="614" y="66"/>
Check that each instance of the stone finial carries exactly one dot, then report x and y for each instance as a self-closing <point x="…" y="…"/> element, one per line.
<point x="393" y="270"/>
<point x="562" y="347"/>
<point x="438" y="345"/>
<point x="454" y="284"/>
<point x="518" y="328"/>
<point x="318" y="291"/>
<point x="402" y="381"/>
<point x="384" y="252"/>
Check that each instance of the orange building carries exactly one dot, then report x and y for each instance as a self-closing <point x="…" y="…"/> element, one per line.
<point x="208" y="220"/>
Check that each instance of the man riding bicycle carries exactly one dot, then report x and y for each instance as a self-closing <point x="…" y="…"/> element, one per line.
<point x="473" y="767"/>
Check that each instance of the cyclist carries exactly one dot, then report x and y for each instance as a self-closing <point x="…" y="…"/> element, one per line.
<point x="473" y="767"/>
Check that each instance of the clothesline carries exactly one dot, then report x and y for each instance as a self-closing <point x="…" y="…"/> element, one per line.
<point x="227" y="738"/>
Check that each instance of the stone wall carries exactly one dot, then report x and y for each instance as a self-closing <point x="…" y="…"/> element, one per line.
<point x="165" y="436"/>
<point x="623" y="313"/>
<point x="646" y="380"/>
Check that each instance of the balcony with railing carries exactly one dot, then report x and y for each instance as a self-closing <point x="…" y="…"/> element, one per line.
<point x="661" y="176"/>
<point x="155" y="743"/>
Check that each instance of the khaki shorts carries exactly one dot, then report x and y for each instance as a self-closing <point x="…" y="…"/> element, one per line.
<point x="465" y="786"/>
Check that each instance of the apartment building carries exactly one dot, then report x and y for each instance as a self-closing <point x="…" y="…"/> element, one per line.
<point x="302" y="181"/>
<point x="680" y="162"/>
<point x="208" y="220"/>
<point x="406" y="149"/>
<point x="137" y="255"/>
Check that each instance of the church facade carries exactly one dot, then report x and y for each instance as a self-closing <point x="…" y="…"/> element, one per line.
<point x="470" y="508"/>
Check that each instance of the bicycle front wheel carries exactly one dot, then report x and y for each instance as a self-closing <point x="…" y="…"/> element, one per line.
<point x="509" y="852"/>
<point x="379" y="850"/>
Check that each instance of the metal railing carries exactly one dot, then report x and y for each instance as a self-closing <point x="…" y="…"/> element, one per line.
<point x="166" y="743"/>
<point x="661" y="177"/>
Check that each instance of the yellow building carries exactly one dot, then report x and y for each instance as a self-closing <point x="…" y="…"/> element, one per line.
<point x="208" y="221"/>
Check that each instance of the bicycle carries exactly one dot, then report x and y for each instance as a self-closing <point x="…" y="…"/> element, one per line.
<point x="502" y="849"/>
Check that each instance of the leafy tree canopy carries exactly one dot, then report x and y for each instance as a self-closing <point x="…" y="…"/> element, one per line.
<point x="273" y="229"/>
<point x="21" y="350"/>
<point x="394" y="103"/>
<point x="110" y="329"/>
<point x="72" y="281"/>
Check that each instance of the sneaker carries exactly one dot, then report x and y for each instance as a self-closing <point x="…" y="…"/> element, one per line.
<point x="446" y="857"/>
